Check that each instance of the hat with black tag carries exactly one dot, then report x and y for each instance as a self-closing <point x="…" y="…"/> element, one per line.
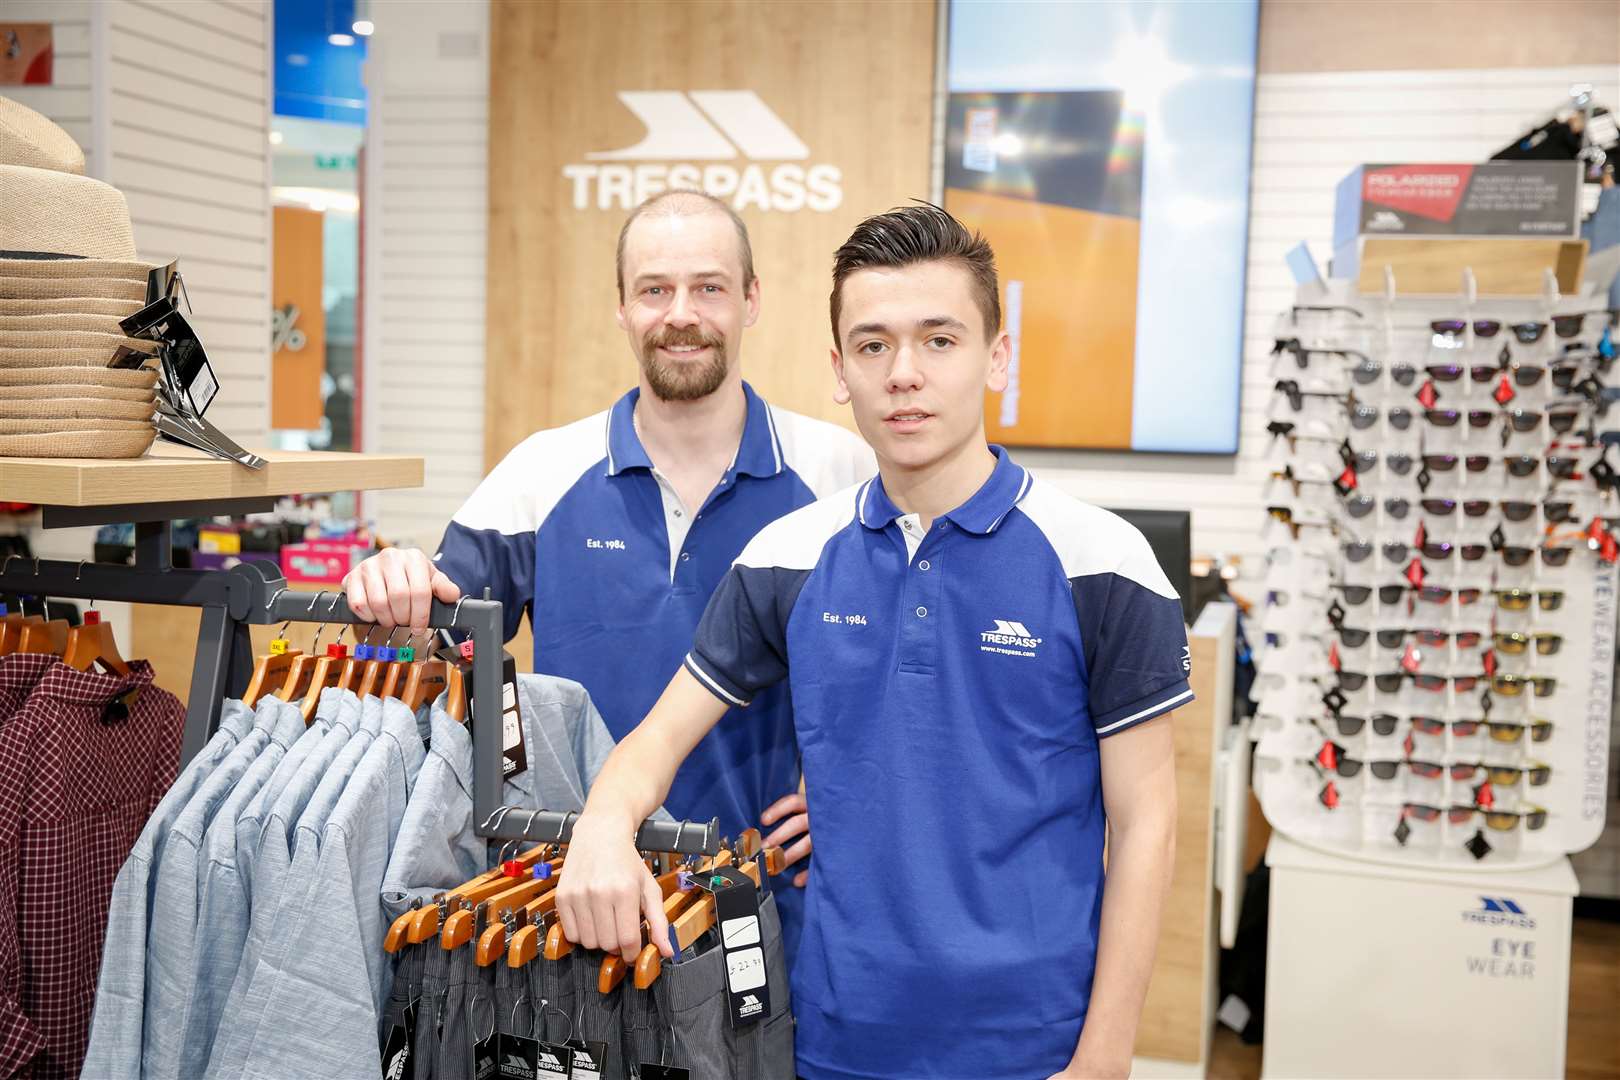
<point x="73" y="383"/>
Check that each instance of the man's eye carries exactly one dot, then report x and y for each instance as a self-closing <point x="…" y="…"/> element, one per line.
<point x="654" y="290"/>
<point x="711" y="288"/>
<point x="941" y="342"/>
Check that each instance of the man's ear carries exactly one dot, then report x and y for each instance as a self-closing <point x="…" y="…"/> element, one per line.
<point x="1000" y="355"/>
<point x="618" y="315"/>
<point x="841" y="390"/>
<point x="753" y="303"/>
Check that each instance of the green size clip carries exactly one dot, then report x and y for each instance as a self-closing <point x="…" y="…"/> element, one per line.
<point x="407" y="654"/>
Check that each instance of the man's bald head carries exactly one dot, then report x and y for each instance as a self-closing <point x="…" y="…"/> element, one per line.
<point x="681" y="203"/>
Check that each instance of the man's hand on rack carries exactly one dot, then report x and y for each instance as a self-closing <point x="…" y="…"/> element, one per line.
<point x="606" y="889"/>
<point x="397" y="587"/>
<point x="794" y="814"/>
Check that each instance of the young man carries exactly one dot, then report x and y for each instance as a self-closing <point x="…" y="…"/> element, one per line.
<point x="613" y="532"/>
<point x="981" y="670"/>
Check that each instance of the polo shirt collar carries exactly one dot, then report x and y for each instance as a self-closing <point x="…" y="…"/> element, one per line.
<point x="759" y="453"/>
<point x="982" y="513"/>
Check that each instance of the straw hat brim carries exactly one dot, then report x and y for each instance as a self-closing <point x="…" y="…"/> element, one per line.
<point x="74" y="339"/>
<point x="57" y="323"/>
<point x="88" y="410"/>
<point x="119" y="378"/>
<point x="27" y="138"/>
<point x="63" y="214"/>
<point x="38" y="358"/>
<point x="10" y="395"/>
<point x="79" y="444"/>
<point x="72" y="305"/>
<point x="60" y="427"/>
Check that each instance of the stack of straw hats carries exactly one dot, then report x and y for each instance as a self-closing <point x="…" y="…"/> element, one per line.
<point x="68" y="274"/>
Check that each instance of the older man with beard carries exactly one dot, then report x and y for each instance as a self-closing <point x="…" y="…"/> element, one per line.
<point x="613" y="531"/>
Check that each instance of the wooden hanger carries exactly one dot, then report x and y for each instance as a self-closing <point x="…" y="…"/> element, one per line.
<point x="424" y="923"/>
<point x="614" y="968"/>
<point x="44" y="637"/>
<point x="329" y="672"/>
<point x="459" y="927"/>
<point x="270" y="671"/>
<point x="536" y="898"/>
<point x="425" y="681"/>
<point x="92" y="644"/>
<point x="11" y="628"/>
<point x="697" y="921"/>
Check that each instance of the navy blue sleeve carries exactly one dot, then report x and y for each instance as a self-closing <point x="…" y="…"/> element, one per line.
<point x="1135" y="648"/>
<point x="741" y="643"/>
<point x="476" y="559"/>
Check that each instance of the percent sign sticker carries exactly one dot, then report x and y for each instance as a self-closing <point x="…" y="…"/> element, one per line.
<point x="284" y="332"/>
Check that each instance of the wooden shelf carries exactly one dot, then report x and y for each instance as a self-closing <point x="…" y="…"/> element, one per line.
<point x="171" y="473"/>
<point x="1503" y="265"/>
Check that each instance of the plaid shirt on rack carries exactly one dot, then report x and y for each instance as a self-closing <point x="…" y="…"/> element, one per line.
<point x="82" y="765"/>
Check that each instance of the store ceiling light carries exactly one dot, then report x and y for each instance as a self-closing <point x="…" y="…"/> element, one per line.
<point x="275" y="138"/>
<point x="340" y="39"/>
<point x="364" y="27"/>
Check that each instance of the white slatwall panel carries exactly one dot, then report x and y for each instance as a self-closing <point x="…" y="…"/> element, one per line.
<point x="68" y="99"/>
<point x="1310" y="130"/>
<point x="425" y="232"/>
<point x="187" y="92"/>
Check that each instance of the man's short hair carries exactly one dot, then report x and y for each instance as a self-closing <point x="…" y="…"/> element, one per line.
<point x="685" y="201"/>
<point x="914" y="234"/>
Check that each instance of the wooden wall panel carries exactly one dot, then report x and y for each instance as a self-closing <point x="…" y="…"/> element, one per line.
<point x="853" y="80"/>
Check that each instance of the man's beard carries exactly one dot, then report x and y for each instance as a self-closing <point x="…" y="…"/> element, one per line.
<point x="683" y="382"/>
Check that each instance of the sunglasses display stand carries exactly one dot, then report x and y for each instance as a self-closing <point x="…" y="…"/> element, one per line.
<point x="1435" y="658"/>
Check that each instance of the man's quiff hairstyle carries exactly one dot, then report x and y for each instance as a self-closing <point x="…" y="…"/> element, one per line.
<point x="915" y="234"/>
<point x="682" y="202"/>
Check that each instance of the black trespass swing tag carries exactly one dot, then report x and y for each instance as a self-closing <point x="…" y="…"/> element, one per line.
<point x="518" y="1058"/>
<point x="552" y="1060"/>
<point x="737" y="915"/>
<point x="397" y="1047"/>
<point x="663" y="1072"/>
<point x="586" y="1059"/>
<point x="486" y="1057"/>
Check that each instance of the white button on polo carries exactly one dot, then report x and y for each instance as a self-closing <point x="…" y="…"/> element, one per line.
<point x="923" y="565"/>
<point x="922" y="613"/>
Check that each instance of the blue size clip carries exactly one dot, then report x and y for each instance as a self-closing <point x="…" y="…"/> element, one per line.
<point x="543" y="872"/>
<point x="387" y="654"/>
<point x="683" y="881"/>
<point x="365" y="652"/>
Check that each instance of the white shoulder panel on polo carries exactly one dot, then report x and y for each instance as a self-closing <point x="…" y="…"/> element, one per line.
<point x="521" y="491"/>
<point x="795" y="541"/>
<point x="825" y="456"/>
<point x="1090" y="540"/>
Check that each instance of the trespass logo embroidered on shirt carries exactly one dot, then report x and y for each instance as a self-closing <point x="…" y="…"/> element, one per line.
<point x="1008" y="638"/>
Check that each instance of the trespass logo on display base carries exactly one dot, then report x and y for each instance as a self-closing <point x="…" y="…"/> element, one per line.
<point x="691" y="140"/>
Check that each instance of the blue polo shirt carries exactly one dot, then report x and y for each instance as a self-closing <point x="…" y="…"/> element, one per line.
<point x="576" y="528"/>
<point x="950" y="692"/>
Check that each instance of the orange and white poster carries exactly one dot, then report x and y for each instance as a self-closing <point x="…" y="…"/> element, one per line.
<point x="1054" y="182"/>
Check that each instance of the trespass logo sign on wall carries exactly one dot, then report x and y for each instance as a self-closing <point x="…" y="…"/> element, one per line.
<point x="694" y="140"/>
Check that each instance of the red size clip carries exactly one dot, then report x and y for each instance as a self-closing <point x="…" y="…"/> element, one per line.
<point x="512" y="868"/>
<point x="337" y="652"/>
<point x="466" y="648"/>
<point x="92" y="617"/>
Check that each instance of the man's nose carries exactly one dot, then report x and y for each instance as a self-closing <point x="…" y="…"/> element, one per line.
<point x="681" y="311"/>
<point x="904" y="374"/>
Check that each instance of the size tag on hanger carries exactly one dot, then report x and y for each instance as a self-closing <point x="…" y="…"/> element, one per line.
<point x="586" y="1060"/>
<point x="737" y="915"/>
<point x="514" y="754"/>
<point x="397" y="1046"/>
<point x="520" y="1059"/>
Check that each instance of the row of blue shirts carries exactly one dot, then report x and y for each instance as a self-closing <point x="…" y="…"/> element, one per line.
<point x="244" y="935"/>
